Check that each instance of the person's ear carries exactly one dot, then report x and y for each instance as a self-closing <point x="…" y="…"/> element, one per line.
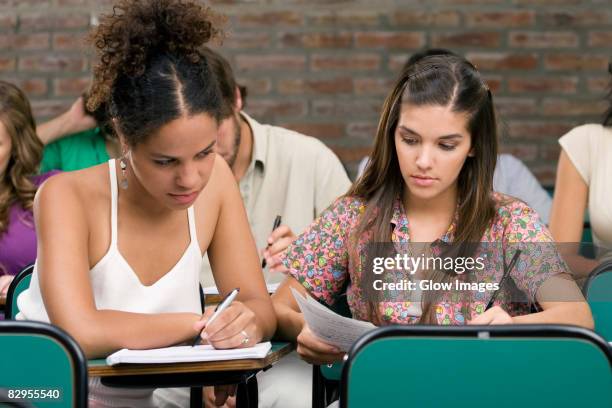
<point x="238" y="105"/>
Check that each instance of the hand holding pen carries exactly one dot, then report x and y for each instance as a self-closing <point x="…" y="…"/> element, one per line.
<point x="278" y="241"/>
<point x="224" y="304"/>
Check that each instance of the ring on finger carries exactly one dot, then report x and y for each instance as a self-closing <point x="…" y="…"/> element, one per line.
<point x="246" y="338"/>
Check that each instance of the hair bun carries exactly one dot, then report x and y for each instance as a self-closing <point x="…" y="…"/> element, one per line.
<point x="138" y="29"/>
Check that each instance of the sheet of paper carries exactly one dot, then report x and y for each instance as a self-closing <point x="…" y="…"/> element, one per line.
<point x="185" y="354"/>
<point x="212" y="290"/>
<point x="332" y="328"/>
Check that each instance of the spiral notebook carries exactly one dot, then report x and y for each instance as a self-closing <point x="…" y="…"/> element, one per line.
<point x="186" y="354"/>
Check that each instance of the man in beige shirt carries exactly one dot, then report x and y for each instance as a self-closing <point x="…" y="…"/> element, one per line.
<point x="280" y="172"/>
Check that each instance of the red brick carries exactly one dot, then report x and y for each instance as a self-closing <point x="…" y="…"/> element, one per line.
<point x="269" y="19"/>
<point x="576" y="61"/>
<point x="373" y="86"/>
<point x="31" y="86"/>
<point x="317" y="40"/>
<point x="18" y="42"/>
<point x="69" y="41"/>
<point x="543" y="85"/>
<point x="389" y="39"/>
<point x="565" y="107"/>
<point x="499" y="19"/>
<point x="52" y="63"/>
<point x="497" y="61"/>
<point x="414" y="18"/>
<point x="256" y="86"/>
<point x="318" y="130"/>
<point x="270" y="62"/>
<point x="537" y="129"/>
<point x="317" y="86"/>
<point x="598" y="85"/>
<point x="347" y="108"/>
<point x="7" y="63"/>
<point x="246" y="40"/>
<point x="71" y="86"/>
<point x="396" y="62"/>
<point x="545" y="173"/>
<point x="549" y="152"/>
<point x="549" y="39"/>
<point x="8" y="21"/>
<point x="494" y="82"/>
<point x="466" y="39"/>
<point x="514" y="106"/>
<point x="362" y="131"/>
<point x="523" y="152"/>
<point x="262" y="108"/>
<point x="47" y="109"/>
<point x="41" y="21"/>
<point x="575" y="18"/>
<point x="333" y="18"/>
<point x="355" y="62"/>
<point x="600" y="39"/>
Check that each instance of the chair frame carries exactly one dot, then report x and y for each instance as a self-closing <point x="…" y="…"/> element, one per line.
<point x="25" y="272"/>
<point x="78" y="360"/>
<point x="496" y="331"/>
<point x="598" y="270"/>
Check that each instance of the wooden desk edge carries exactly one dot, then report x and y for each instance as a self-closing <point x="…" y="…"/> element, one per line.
<point x="204" y="366"/>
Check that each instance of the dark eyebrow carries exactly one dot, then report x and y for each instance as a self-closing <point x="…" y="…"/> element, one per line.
<point x="445" y="137"/>
<point x="170" y="157"/>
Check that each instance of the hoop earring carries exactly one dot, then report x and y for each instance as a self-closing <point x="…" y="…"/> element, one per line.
<point x="124" y="182"/>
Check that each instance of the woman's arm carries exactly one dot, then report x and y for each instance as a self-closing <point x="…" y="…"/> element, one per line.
<point x="235" y="263"/>
<point x="63" y="268"/>
<point x="72" y="121"/>
<point x="569" y="202"/>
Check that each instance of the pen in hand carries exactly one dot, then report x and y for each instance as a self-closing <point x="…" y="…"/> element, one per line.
<point x="503" y="279"/>
<point x="227" y="300"/>
<point x="277" y="222"/>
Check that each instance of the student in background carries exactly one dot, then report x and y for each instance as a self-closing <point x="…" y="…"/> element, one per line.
<point x="429" y="181"/>
<point x="122" y="243"/>
<point x="511" y="176"/>
<point x="583" y="180"/>
<point x="20" y="154"/>
<point x="279" y="172"/>
<point x="86" y="138"/>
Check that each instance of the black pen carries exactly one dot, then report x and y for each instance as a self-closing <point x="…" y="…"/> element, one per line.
<point x="276" y="224"/>
<point x="227" y="300"/>
<point x="503" y="279"/>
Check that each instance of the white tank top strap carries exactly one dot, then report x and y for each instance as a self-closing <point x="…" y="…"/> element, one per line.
<point x="192" y="227"/>
<point x="113" y="182"/>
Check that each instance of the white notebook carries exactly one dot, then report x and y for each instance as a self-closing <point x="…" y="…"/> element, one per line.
<point x="186" y="354"/>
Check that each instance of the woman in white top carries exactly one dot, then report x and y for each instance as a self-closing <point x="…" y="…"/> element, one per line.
<point x="583" y="178"/>
<point x="118" y="267"/>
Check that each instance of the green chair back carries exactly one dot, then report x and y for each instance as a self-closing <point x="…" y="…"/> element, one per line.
<point x="599" y="296"/>
<point x="41" y="357"/>
<point x="20" y="283"/>
<point x="478" y="366"/>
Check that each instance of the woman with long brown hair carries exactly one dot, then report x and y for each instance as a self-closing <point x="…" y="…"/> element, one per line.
<point x="429" y="182"/>
<point x="20" y="155"/>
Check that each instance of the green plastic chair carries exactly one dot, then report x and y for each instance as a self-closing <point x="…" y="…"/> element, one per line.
<point x="598" y="289"/>
<point x="20" y="283"/>
<point x="43" y="360"/>
<point x="478" y="366"/>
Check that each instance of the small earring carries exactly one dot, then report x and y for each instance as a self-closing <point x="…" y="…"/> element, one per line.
<point x="123" y="183"/>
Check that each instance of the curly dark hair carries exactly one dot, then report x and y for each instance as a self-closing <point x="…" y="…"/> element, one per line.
<point x="16" y="185"/>
<point x="150" y="69"/>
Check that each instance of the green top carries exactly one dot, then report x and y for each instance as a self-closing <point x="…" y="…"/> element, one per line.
<point x="75" y="152"/>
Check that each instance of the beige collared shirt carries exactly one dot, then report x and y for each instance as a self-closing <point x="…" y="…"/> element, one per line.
<point x="291" y="175"/>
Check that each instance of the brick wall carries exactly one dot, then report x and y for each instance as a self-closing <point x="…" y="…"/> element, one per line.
<point x="324" y="67"/>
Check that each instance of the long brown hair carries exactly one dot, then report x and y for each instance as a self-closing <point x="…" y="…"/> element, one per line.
<point x="16" y="185"/>
<point x="439" y="80"/>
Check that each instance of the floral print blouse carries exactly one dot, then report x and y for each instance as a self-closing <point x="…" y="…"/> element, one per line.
<point x="320" y="259"/>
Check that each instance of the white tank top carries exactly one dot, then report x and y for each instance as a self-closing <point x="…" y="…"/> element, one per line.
<point x="115" y="286"/>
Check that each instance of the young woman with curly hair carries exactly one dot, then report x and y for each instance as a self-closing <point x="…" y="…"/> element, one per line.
<point x="121" y="244"/>
<point x="20" y="155"/>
